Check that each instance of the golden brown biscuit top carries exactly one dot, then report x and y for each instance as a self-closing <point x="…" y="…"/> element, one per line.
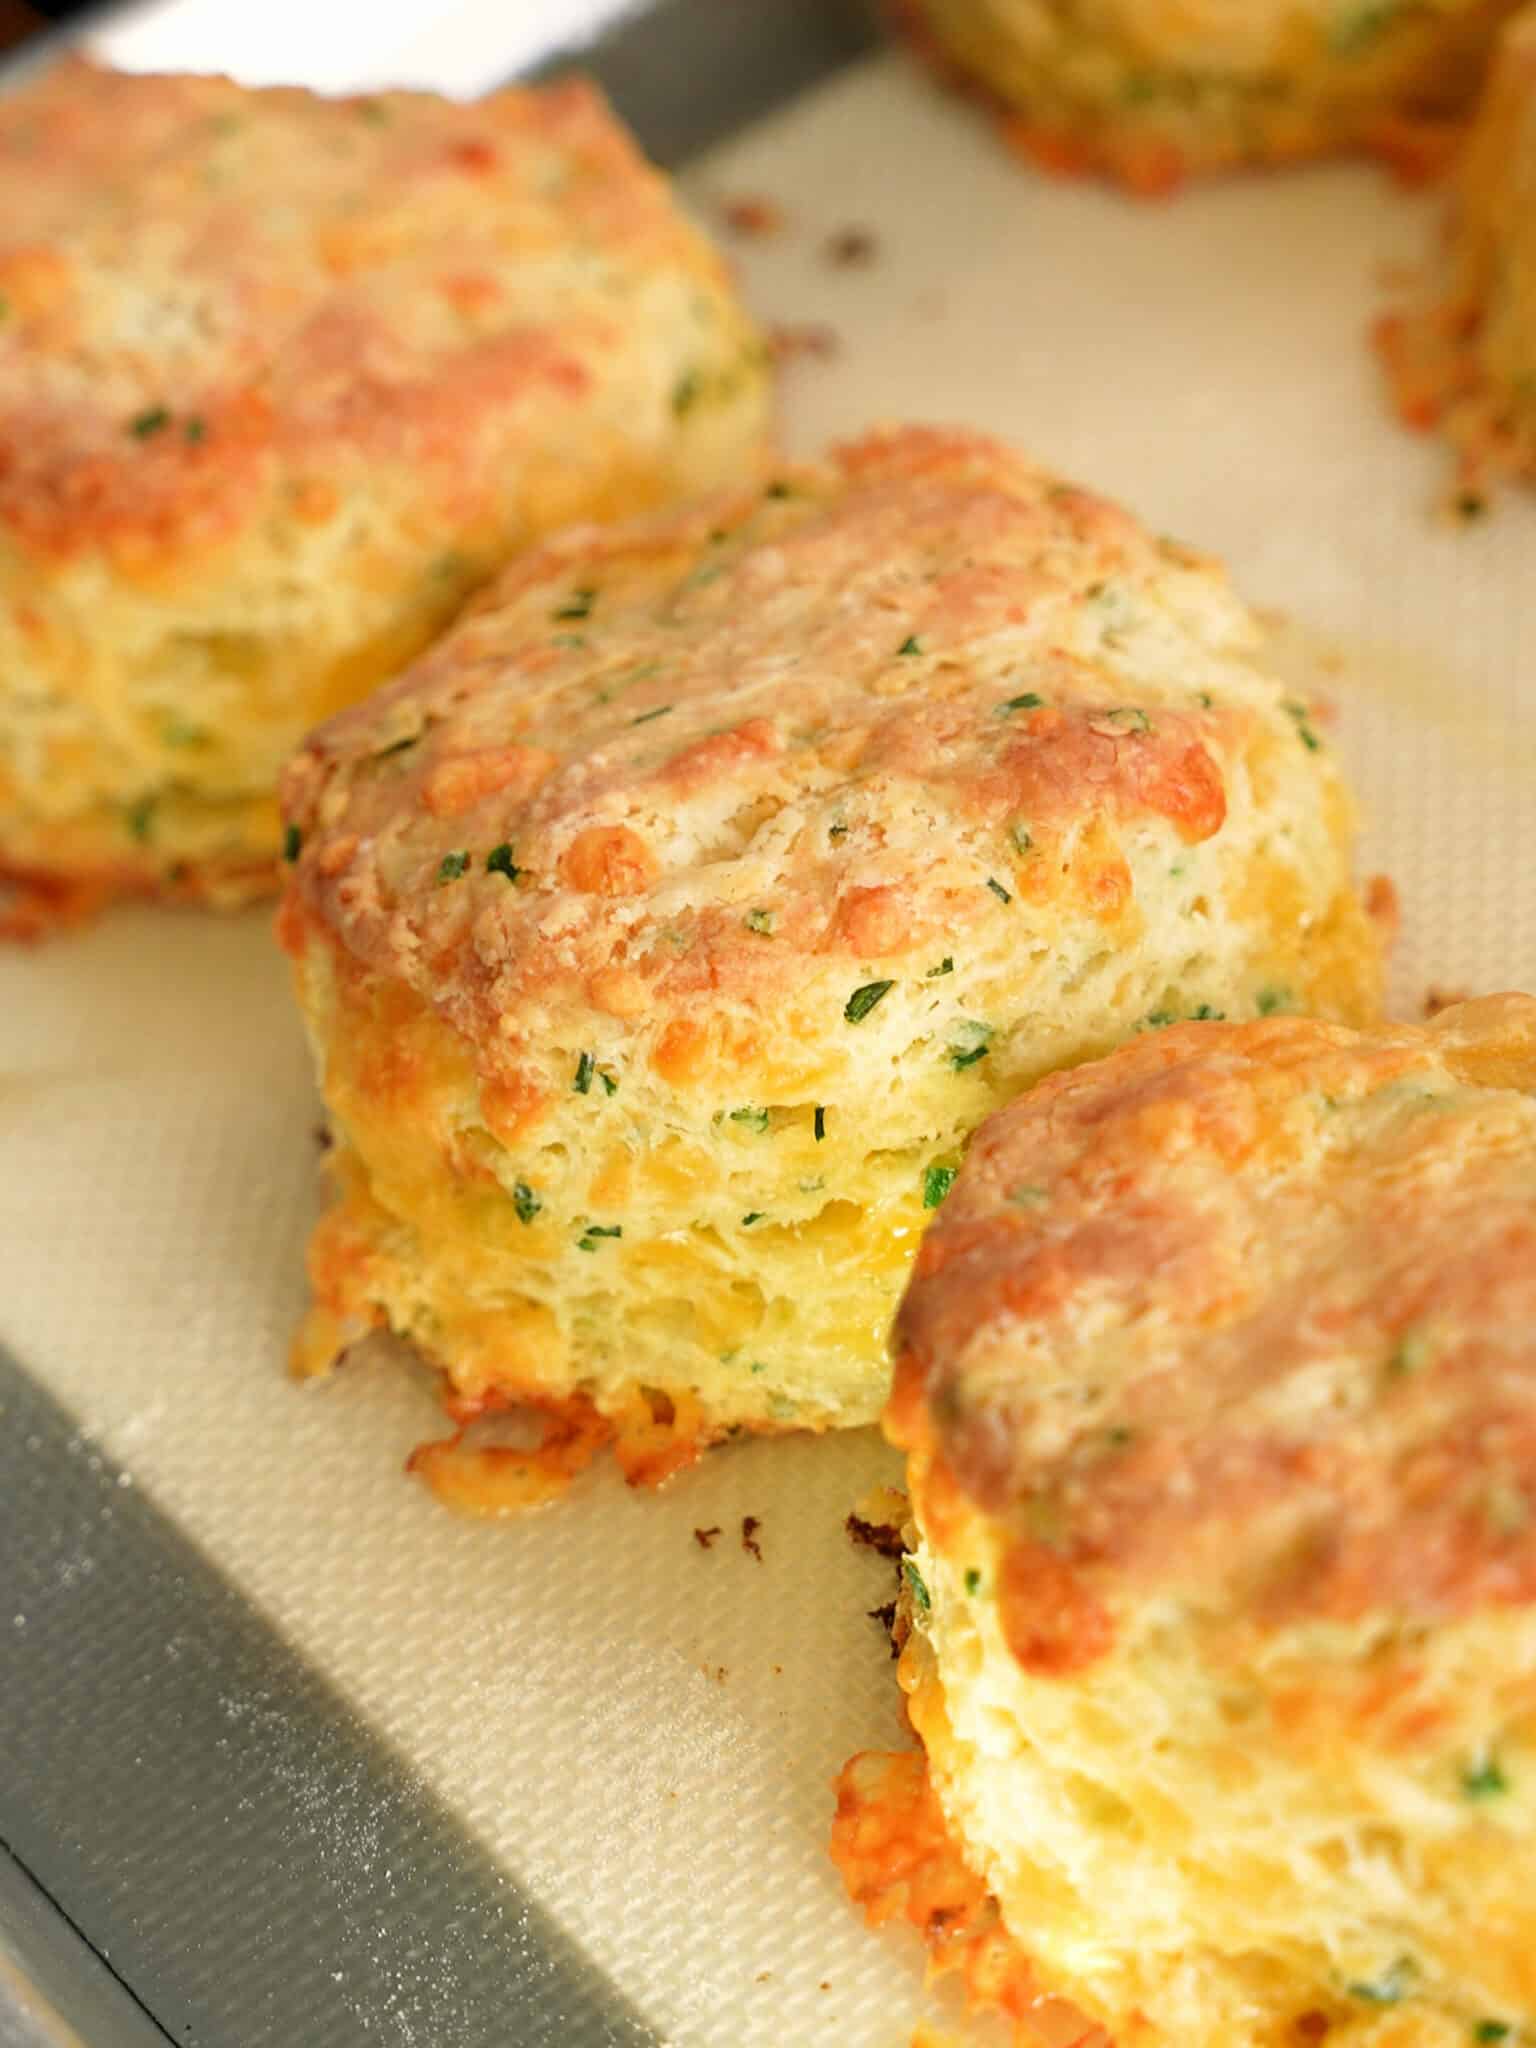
<point x="203" y="286"/>
<point x="1247" y="1311"/>
<point x="817" y="734"/>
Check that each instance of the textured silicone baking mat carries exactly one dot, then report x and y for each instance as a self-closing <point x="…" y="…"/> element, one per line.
<point x="639" y="1731"/>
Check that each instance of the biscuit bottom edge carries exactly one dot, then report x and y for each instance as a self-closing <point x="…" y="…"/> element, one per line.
<point x="493" y="1379"/>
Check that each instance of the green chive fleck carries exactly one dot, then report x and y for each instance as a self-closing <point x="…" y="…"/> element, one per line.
<point x="1003" y="895"/>
<point x="945" y="966"/>
<point x="1388" y="1988"/>
<point x="1470" y="506"/>
<point x="760" y="921"/>
<point x="143" y="424"/>
<point x="577" y="606"/>
<point x="1301" y="713"/>
<point x="754" y="1119"/>
<point x="588" y="1240"/>
<point x="646" y="716"/>
<point x="914" y="1579"/>
<point x="140" y="817"/>
<point x="1022" y="842"/>
<point x="499" y="861"/>
<point x="863" y="1000"/>
<point x="1028" y="702"/>
<point x="177" y="733"/>
<point x="1158" y="1020"/>
<point x="1492" y="2030"/>
<point x="525" y="1202"/>
<point x="293" y="843"/>
<point x="753" y="1216"/>
<point x="586" y="1067"/>
<point x="1484" y="1780"/>
<point x="451" y="867"/>
<point x="685" y="392"/>
<point x="911" y="645"/>
<point x="970" y="1043"/>
<point x="779" y="489"/>
<point x="194" y="429"/>
<point x="1206" y="1015"/>
<point x="1131" y="716"/>
<point x="937" y="1182"/>
<point x="819" y="1123"/>
<point x="1410" y="1356"/>
<point x="1270" y="1000"/>
<point x="973" y="1582"/>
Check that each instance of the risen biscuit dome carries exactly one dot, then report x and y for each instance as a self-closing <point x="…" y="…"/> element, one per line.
<point x="281" y="379"/>
<point x="1466" y="361"/>
<point x="1218" y="1375"/>
<point x="1153" y="90"/>
<point x="664" y="932"/>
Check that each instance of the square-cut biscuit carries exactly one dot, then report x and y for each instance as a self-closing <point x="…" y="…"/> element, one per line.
<point x="1153" y="91"/>
<point x="282" y="378"/>
<point x="1465" y="361"/>
<point x="665" y="931"/>
<point x="1217" y="1375"/>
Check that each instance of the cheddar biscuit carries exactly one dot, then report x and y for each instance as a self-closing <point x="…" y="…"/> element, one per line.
<point x="1152" y="91"/>
<point x="1217" y="1375"/>
<point x="282" y="379"/>
<point x="1465" y="361"/>
<point x="664" y="932"/>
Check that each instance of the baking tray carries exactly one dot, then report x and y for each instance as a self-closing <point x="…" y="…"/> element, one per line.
<point x="305" y="1759"/>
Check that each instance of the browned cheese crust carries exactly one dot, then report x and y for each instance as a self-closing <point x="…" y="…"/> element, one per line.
<point x="718" y="874"/>
<point x="1218" y="1375"/>
<point x="282" y="379"/>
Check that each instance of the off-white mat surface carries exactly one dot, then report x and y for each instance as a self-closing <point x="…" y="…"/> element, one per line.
<point x="644" y="1731"/>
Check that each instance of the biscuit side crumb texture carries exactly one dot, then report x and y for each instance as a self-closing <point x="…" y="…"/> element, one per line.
<point x="1464" y="363"/>
<point x="282" y="379"/>
<point x="1218" y="1379"/>
<point x="666" y="930"/>
<point x="1152" y="92"/>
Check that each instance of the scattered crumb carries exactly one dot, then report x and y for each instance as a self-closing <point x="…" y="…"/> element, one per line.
<point x="877" y="1519"/>
<point x="1438" y="999"/>
<point x="778" y="1670"/>
<point x="753" y="217"/>
<point x="1382" y="906"/>
<point x="789" y="340"/>
<point x="824" y="1985"/>
<point x="1469" y="505"/>
<point x="718" y="1672"/>
<point x="322" y="1137"/>
<point x="882" y="1536"/>
<point x="750" y="1524"/>
<point x="763" y="1977"/>
<point x="705" y="1537"/>
<point x="886" y="1617"/>
<point x="851" y="247"/>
